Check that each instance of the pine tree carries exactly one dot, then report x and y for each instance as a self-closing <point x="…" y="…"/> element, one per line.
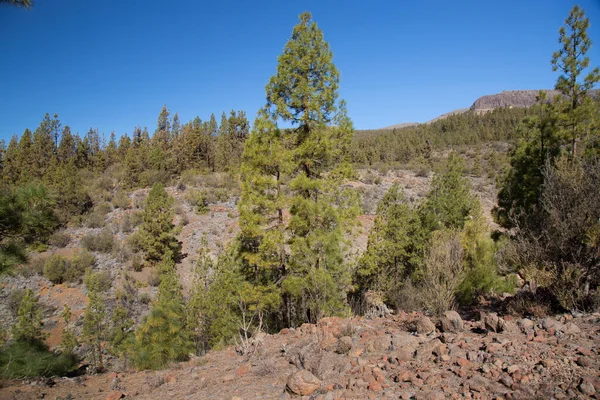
<point x="300" y="169"/>
<point x="572" y="60"/>
<point x="396" y="246"/>
<point x="94" y="329"/>
<point x="163" y="335"/>
<point x="66" y="149"/>
<point x="449" y="203"/>
<point x="10" y="170"/>
<point x="28" y="327"/>
<point x="157" y="232"/>
<point x="24" y="157"/>
<point x="68" y="340"/>
<point x="175" y="125"/>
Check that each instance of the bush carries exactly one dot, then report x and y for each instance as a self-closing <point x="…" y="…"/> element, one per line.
<point x="94" y="220"/>
<point x="198" y="200"/>
<point x="24" y="359"/>
<point x="14" y="300"/>
<point x="443" y="271"/>
<point x="121" y="200"/>
<point x="97" y="281"/>
<point x="145" y="298"/>
<point x="54" y="268"/>
<point x="149" y="178"/>
<point x="78" y="265"/>
<point x="137" y="263"/>
<point x="102" y="242"/>
<point x="154" y="277"/>
<point x="59" y="239"/>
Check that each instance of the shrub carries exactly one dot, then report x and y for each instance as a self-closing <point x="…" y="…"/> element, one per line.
<point x="14" y="300"/>
<point x="24" y="359"/>
<point x="54" y="268"/>
<point x="145" y="298"/>
<point x="151" y="177"/>
<point x="121" y="200"/>
<point x="59" y="239"/>
<point x="198" y="200"/>
<point x="442" y="271"/>
<point x="137" y="263"/>
<point x="154" y="277"/>
<point x="78" y="265"/>
<point x="94" y="220"/>
<point x="122" y="252"/>
<point x="98" y="282"/>
<point x="102" y="242"/>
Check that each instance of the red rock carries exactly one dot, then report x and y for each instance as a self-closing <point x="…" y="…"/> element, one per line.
<point x="284" y="331"/>
<point x="116" y="395"/>
<point x="584" y="352"/>
<point x="242" y="370"/>
<point x="375" y="386"/>
<point x="228" y="378"/>
<point x="462" y="362"/>
<point x="302" y="382"/>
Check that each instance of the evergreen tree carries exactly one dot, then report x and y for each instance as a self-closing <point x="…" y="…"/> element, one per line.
<point x="28" y="327"/>
<point x="396" y="246"/>
<point x="300" y="168"/>
<point x="175" y="125"/>
<point x="163" y="335"/>
<point x="572" y="60"/>
<point x="10" y="170"/>
<point x="25" y="156"/>
<point x="94" y="329"/>
<point x="157" y="232"/>
<point x="68" y="340"/>
<point x="66" y="149"/>
<point x="449" y="203"/>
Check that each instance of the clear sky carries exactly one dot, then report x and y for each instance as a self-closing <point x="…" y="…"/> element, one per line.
<point x="112" y="64"/>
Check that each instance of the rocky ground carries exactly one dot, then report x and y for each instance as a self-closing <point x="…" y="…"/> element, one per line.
<point x="405" y="356"/>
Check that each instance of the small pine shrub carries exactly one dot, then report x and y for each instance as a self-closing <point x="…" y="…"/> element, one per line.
<point x="121" y="200"/>
<point x="137" y="263"/>
<point x="98" y="282"/>
<point x="25" y="360"/>
<point x="154" y="278"/>
<point x="14" y="300"/>
<point x="94" y="220"/>
<point x="59" y="239"/>
<point x="198" y="200"/>
<point x="55" y="268"/>
<point x="145" y="298"/>
<point x="102" y="242"/>
<point x="78" y="265"/>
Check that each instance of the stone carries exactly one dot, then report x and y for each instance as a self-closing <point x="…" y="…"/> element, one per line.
<point x="571" y="329"/>
<point x="116" y="395"/>
<point x="242" y="370"/>
<point x="378" y="344"/>
<point x="403" y="355"/>
<point x="303" y="383"/>
<point x="491" y="322"/>
<point x="587" y="388"/>
<point x="525" y="324"/>
<point x="344" y="345"/>
<point x="404" y="340"/>
<point x="451" y="322"/>
<point x="424" y="326"/>
<point x="550" y="323"/>
<point x="584" y="361"/>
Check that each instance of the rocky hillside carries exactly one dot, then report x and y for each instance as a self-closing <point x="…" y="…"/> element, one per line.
<point x="407" y="356"/>
<point x="509" y="98"/>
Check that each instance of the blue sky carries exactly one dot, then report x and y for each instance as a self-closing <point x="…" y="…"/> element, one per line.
<point x="112" y="64"/>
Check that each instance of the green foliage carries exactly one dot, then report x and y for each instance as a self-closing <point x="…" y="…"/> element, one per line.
<point x="102" y="242"/>
<point x="68" y="340"/>
<point x="197" y="199"/>
<point x="576" y="107"/>
<point x="28" y="328"/>
<point x="76" y="268"/>
<point x="26" y="217"/>
<point x="54" y="268"/>
<point x="481" y="268"/>
<point x="299" y="169"/>
<point x="156" y="235"/>
<point x="94" y="329"/>
<point x="24" y="360"/>
<point x="59" y="239"/>
<point x="163" y="335"/>
<point x="450" y="201"/>
<point x="396" y="246"/>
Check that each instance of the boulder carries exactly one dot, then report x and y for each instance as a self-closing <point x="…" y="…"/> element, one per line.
<point x="302" y="383"/>
<point x="344" y="345"/>
<point x="492" y="323"/>
<point x="424" y="326"/>
<point x="451" y="322"/>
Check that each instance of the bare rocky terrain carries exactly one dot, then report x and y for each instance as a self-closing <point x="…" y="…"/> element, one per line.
<point x="406" y="356"/>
